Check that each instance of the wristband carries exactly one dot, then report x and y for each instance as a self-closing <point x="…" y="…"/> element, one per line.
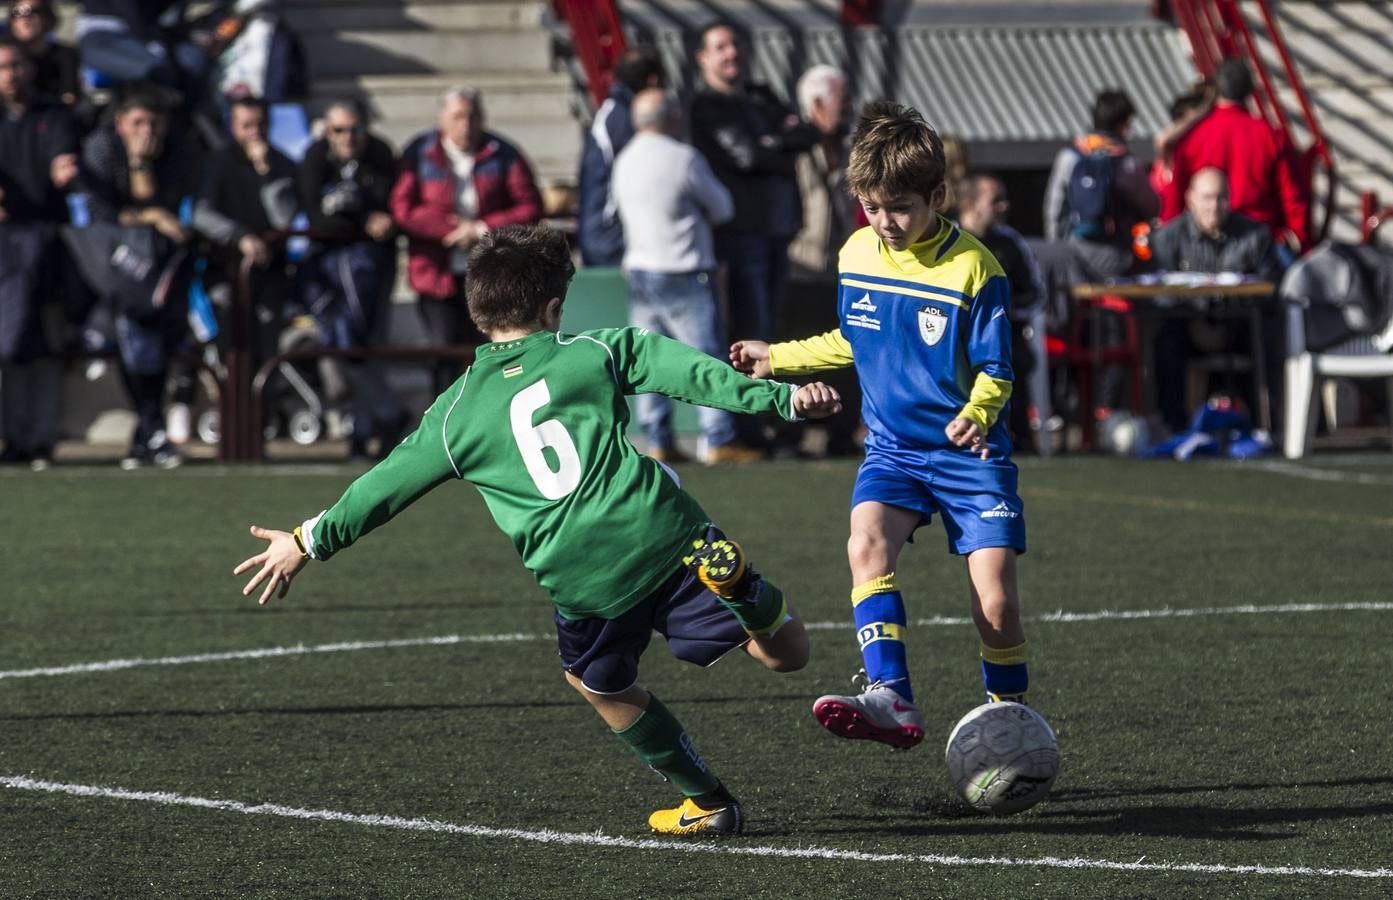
<point x="300" y="543"/>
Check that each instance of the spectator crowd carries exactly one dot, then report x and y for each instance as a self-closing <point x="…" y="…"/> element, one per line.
<point x="140" y="168"/>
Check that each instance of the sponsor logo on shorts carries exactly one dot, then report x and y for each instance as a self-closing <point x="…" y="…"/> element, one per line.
<point x="864" y="303"/>
<point x="860" y="321"/>
<point x="1000" y="511"/>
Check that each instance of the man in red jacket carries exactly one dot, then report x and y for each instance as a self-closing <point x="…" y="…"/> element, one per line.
<point x="455" y="183"/>
<point x="1265" y="183"/>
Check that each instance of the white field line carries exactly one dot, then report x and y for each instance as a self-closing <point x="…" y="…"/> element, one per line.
<point x="1312" y="473"/>
<point x="19" y="782"/>
<point x="197" y="470"/>
<point x="1059" y="616"/>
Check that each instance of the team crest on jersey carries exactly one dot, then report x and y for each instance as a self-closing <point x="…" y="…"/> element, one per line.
<point x="933" y="324"/>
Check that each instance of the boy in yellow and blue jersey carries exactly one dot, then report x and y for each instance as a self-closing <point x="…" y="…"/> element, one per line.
<point x="924" y="311"/>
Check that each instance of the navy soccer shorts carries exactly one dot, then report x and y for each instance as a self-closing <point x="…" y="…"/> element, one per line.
<point x="977" y="498"/>
<point x="604" y="653"/>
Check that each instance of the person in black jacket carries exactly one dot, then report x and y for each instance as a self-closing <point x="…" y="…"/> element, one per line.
<point x="982" y="208"/>
<point x="1209" y="238"/>
<point x="248" y="188"/>
<point x="751" y="141"/>
<point x="38" y="162"/>
<point x="598" y="229"/>
<point x="32" y="23"/>
<point x="345" y="183"/>
<point x="138" y="176"/>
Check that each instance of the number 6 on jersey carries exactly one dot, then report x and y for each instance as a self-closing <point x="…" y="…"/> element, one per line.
<point x="554" y="484"/>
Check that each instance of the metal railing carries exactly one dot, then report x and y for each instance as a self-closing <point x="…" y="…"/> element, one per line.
<point x="1371" y="215"/>
<point x="597" y="37"/>
<point x="1217" y="30"/>
<point x="244" y="381"/>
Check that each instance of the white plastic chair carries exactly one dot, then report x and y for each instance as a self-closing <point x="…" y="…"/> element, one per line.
<point x="1358" y="357"/>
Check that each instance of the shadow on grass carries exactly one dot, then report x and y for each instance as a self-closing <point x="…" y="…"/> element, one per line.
<point x="247" y="606"/>
<point x="346" y="710"/>
<point x="363" y="709"/>
<point x="941" y="814"/>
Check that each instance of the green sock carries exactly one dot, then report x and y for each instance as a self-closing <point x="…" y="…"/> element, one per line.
<point x="658" y="739"/>
<point x="764" y="613"/>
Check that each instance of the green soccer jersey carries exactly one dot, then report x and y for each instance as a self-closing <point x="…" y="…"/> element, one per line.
<point x="538" y="425"/>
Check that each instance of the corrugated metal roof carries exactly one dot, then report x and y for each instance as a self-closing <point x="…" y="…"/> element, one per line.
<point x="984" y="84"/>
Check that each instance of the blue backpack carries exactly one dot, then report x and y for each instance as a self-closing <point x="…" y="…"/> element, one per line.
<point x="1092" y="203"/>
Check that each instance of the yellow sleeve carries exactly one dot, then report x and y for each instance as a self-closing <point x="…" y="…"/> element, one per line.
<point x="814" y="354"/>
<point x="984" y="404"/>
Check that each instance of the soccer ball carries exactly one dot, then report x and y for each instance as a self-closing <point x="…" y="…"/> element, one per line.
<point x="1002" y="758"/>
<point x="1124" y="434"/>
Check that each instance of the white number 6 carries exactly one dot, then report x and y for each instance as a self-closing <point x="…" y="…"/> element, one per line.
<point x="532" y="439"/>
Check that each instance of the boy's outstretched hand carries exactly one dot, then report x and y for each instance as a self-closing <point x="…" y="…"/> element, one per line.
<point x="279" y="562"/>
<point x="752" y="358"/>
<point x="817" y="400"/>
<point x="967" y="433"/>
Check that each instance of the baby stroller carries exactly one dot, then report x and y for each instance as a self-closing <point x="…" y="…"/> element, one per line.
<point x="310" y="396"/>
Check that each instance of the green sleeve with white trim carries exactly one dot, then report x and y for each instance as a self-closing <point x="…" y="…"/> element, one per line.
<point x="649" y="362"/>
<point x="413" y="468"/>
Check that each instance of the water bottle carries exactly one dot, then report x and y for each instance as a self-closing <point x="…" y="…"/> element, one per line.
<point x="297" y="246"/>
<point x="78" y="213"/>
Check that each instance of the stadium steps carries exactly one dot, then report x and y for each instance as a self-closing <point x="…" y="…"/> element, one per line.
<point x="308" y="16"/>
<point x="400" y="56"/>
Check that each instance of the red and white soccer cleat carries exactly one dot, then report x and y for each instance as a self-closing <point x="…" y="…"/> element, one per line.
<point x="876" y="714"/>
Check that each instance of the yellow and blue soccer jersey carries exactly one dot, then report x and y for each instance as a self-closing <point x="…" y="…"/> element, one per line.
<point x="929" y="331"/>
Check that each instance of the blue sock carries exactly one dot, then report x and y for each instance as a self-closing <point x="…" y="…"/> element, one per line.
<point x="1004" y="672"/>
<point x="880" y="630"/>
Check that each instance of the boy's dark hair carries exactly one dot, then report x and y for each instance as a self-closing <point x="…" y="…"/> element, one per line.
<point x="636" y="67"/>
<point x="1233" y="81"/>
<point x="893" y="152"/>
<point x="513" y="272"/>
<point x="1112" y="109"/>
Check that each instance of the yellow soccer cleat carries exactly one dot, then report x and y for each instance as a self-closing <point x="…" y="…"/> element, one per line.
<point x="719" y="564"/>
<point x="691" y="820"/>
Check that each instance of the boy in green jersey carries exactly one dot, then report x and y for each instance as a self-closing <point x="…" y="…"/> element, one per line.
<point x="538" y="425"/>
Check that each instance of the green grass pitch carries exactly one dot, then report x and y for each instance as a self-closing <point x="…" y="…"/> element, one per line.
<point x="1211" y="643"/>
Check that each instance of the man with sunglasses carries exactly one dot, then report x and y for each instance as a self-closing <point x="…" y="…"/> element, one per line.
<point x="345" y="183"/>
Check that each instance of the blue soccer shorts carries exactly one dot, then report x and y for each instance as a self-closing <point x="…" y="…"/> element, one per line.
<point x="604" y="653"/>
<point x="976" y="498"/>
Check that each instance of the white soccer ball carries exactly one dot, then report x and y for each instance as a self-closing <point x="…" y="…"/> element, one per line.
<point x="1002" y="758"/>
<point x="1124" y="434"/>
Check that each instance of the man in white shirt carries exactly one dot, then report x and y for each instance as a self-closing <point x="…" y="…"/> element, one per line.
<point x="668" y="200"/>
